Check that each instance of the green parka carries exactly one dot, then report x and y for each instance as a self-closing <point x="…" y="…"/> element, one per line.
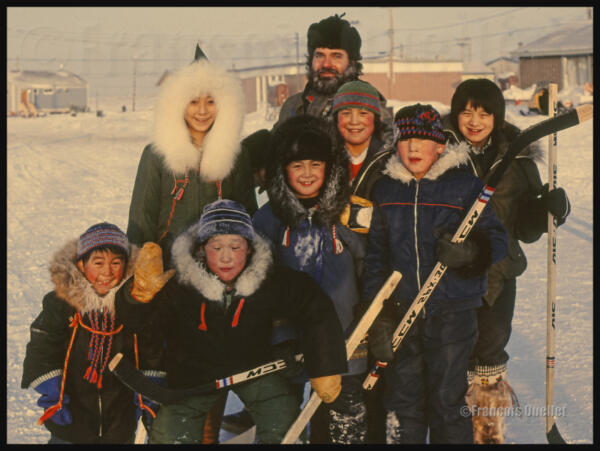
<point x="175" y="180"/>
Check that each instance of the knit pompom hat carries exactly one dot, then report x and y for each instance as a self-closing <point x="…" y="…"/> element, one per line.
<point x="224" y="217"/>
<point x="334" y="33"/>
<point x="357" y="94"/>
<point x="102" y="235"/>
<point x="418" y="121"/>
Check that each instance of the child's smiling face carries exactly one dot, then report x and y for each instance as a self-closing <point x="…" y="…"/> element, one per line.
<point x="418" y="154"/>
<point x="306" y="177"/>
<point x="104" y="270"/>
<point x="475" y="124"/>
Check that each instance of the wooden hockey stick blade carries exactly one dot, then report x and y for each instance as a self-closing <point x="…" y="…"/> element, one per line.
<point x="554" y="437"/>
<point x="351" y="344"/>
<point x="585" y="112"/>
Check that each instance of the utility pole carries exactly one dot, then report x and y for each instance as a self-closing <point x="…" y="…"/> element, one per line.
<point x="134" y="75"/>
<point x="391" y="72"/>
<point x="298" y="87"/>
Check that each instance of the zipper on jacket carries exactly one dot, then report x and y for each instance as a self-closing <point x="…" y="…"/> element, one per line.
<point x="100" y="411"/>
<point x="375" y="160"/>
<point x="417" y="184"/>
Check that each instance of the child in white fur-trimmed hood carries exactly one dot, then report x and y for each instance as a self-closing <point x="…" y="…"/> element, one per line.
<point x="216" y="318"/>
<point x="75" y="336"/>
<point x="194" y="158"/>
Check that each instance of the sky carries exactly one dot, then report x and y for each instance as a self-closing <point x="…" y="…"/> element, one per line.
<point x="102" y="42"/>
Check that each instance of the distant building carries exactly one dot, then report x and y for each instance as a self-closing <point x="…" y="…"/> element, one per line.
<point x="268" y="86"/>
<point x="473" y="69"/>
<point x="30" y="92"/>
<point x="505" y="71"/>
<point x="564" y="57"/>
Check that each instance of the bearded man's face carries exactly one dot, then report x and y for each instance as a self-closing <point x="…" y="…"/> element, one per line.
<point x="330" y="69"/>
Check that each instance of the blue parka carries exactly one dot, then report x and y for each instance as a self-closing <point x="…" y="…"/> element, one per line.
<point x="409" y="215"/>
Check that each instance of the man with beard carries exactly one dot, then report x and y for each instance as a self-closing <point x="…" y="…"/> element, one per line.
<point x="333" y="59"/>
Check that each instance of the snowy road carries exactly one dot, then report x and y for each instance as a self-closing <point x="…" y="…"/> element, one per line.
<point x="66" y="173"/>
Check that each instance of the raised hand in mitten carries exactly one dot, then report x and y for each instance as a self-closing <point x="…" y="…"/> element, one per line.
<point x="148" y="276"/>
<point x="327" y="387"/>
<point x="50" y="391"/>
<point x="455" y="255"/>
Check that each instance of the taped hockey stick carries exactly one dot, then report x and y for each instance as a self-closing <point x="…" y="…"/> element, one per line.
<point x="523" y="139"/>
<point x="552" y="433"/>
<point x="351" y="344"/>
<point x="133" y="378"/>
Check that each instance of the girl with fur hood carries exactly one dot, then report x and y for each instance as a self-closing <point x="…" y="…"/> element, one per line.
<point x="307" y="183"/>
<point x="76" y="335"/>
<point x="418" y="206"/>
<point x="195" y="156"/>
<point x="216" y="318"/>
<point x="521" y="202"/>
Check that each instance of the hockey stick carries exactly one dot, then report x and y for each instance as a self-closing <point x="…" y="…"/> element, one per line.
<point x="351" y="344"/>
<point x="133" y="378"/>
<point x="523" y="139"/>
<point x="552" y="433"/>
<point x="140" y="433"/>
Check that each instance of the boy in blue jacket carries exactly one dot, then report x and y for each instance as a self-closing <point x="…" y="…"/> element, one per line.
<point x="418" y="205"/>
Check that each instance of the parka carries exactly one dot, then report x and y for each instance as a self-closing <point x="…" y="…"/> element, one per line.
<point x="211" y="334"/>
<point x="514" y="201"/>
<point x="409" y="215"/>
<point x="103" y="414"/>
<point x="314" y="241"/>
<point x="175" y="180"/>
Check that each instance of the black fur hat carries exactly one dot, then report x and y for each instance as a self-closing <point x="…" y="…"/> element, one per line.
<point x="257" y="145"/>
<point x="334" y="33"/>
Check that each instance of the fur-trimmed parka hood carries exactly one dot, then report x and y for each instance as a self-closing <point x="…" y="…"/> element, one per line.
<point x="193" y="272"/>
<point x="71" y="285"/>
<point x="172" y="138"/>
<point x="307" y="137"/>
<point x="453" y="156"/>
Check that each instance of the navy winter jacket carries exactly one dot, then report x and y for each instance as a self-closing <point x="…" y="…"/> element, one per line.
<point x="409" y="216"/>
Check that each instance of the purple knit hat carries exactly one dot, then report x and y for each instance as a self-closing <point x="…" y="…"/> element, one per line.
<point x="100" y="235"/>
<point x="418" y="121"/>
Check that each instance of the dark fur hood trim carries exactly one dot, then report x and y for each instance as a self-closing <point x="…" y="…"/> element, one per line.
<point x="71" y="285"/>
<point x="334" y="195"/>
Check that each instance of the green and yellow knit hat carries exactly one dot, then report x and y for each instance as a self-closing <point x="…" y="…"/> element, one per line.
<point x="357" y="94"/>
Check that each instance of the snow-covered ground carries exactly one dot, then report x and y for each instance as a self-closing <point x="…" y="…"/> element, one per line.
<point x="66" y="173"/>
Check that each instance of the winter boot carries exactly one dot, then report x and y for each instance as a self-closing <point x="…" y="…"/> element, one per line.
<point x="488" y="397"/>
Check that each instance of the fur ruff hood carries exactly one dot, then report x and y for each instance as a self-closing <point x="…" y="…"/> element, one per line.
<point x="71" y="285"/>
<point x="453" y="156"/>
<point x="172" y="140"/>
<point x="194" y="273"/>
<point x="334" y="195"/>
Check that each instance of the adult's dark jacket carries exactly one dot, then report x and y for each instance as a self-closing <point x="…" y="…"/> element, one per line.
<point x="408" y="217"/>
<point x="100" y="415"/>
<point x="515" y="201"/>
<point x="210" y="335"/>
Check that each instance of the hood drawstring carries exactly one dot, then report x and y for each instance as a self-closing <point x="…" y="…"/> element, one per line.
<point x="96" y="354"/>
<point x="177" y="193"/>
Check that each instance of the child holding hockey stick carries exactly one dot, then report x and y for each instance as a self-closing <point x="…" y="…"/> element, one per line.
<point x="307" y="183"/>
<point x="521" y="203"/>
<point x="216" y="317"/>
<point x="75" y="336"/>
<point x="418" y="205"/>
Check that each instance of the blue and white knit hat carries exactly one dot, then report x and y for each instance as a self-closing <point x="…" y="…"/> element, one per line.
<point x="100" y="235"/>
<point x="357" y="94"/>
<point x="224" y="217"/>
<point x="418" y="121"/>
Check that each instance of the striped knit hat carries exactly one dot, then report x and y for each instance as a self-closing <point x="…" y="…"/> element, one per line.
<point x="224" y="217"/>
<point x="418" y="121"/>
<point x="357" y="94"/>
<point x="100" y="235"/>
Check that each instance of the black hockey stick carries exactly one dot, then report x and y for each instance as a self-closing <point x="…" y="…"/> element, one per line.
<point x="526" y="137"/>
<point x="133" y="378"/>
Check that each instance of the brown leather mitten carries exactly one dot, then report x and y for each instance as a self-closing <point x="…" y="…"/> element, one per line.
<point x="148" y="275"/>
<point x="327" y="387"/>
